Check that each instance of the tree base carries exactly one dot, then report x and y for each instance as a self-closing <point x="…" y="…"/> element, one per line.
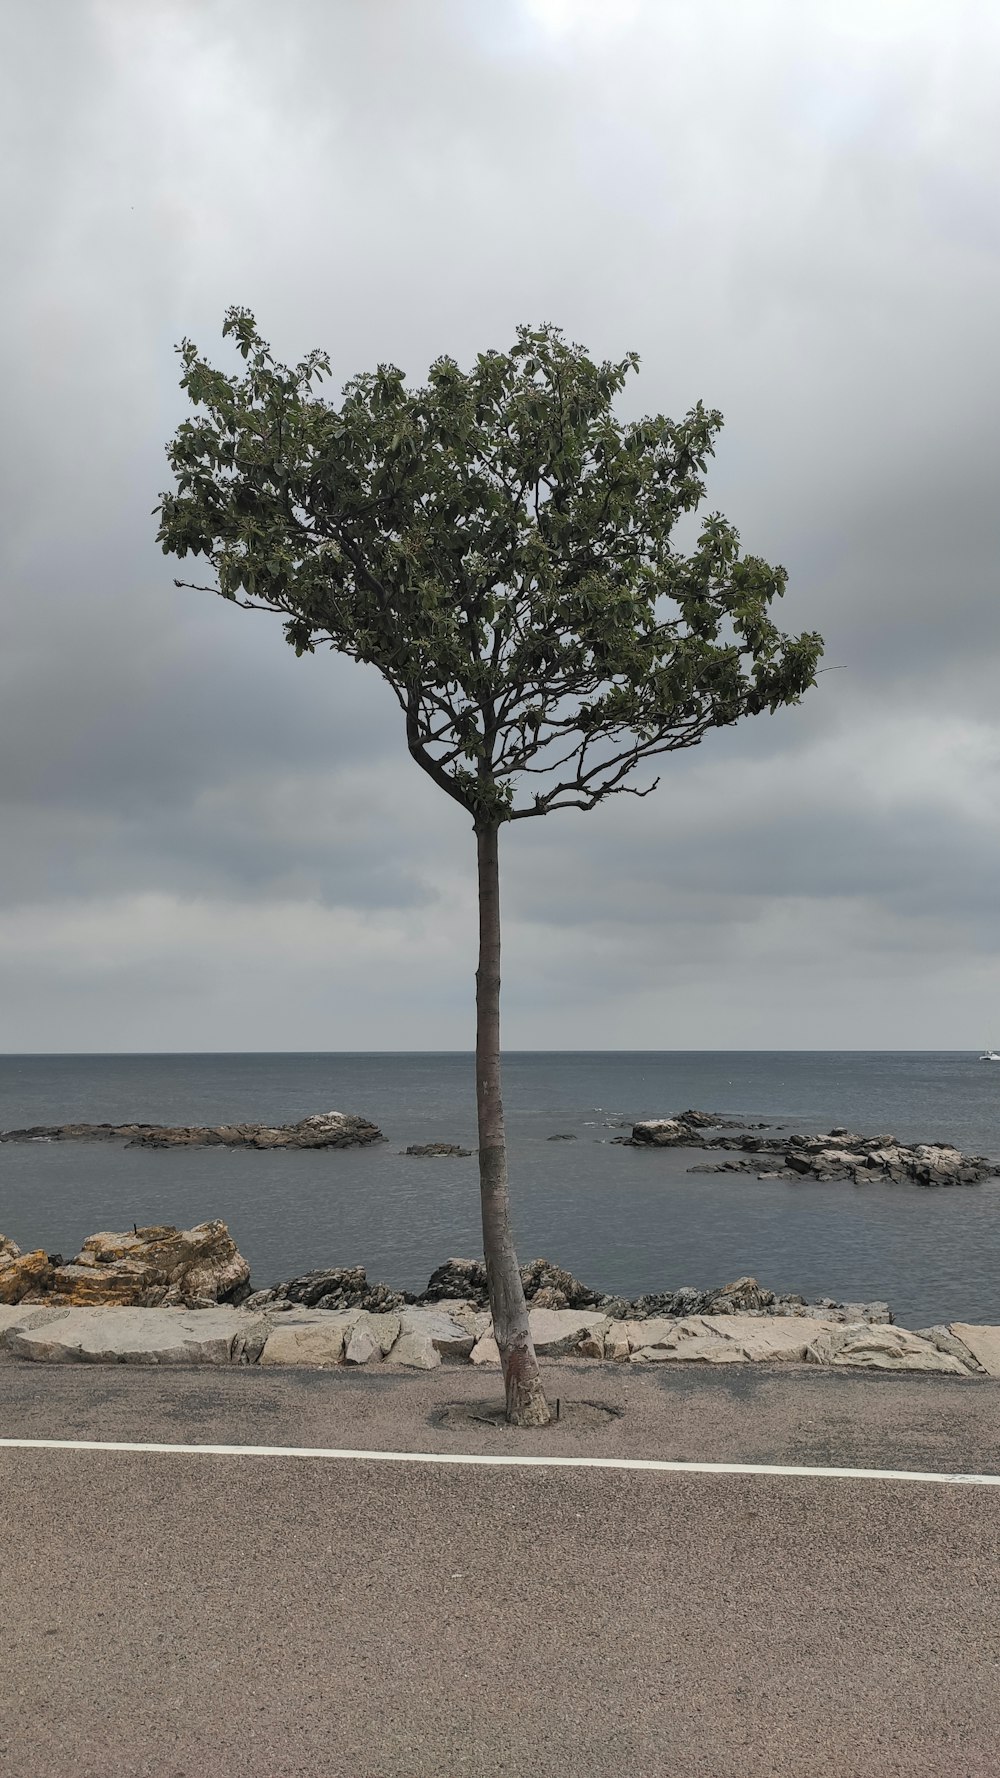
<point x="526" y="1403"/>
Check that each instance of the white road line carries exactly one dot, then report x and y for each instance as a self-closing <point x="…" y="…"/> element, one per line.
<point x="512" y="1460"/>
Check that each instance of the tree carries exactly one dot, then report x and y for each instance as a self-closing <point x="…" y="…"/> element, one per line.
<point x="499" y="546"/>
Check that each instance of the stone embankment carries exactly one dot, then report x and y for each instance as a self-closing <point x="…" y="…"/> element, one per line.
<point x="327" y="1129"/>
<point x="183" y="1296"/>
<point x="839" y="1154"/>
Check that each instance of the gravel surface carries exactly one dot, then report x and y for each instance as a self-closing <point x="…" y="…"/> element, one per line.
<point x="271" y="1618"/>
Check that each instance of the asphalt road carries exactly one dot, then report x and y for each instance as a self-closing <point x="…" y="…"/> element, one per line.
<point x="179" y="1615"/>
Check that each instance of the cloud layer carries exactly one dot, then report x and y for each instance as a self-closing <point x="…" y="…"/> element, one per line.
<point x="788" y="211"/>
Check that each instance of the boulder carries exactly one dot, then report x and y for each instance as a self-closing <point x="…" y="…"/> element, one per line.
<point x="560" y="1331"/>
<point x="316" y="1342"/>
<point x="417" y="1351"/>
<point x="370" y="1336"/>
<point x="880" y="1348"/>
<point x="486" y="1350"/>
<point x="141" y="1336"/>
<point x="982" y="1342"/>
<point x="8" y="1249"/>
<point x="732" y="1339"/>
<point x="23" y="1274"/>
<point x="616" y="1346"/>
<point x="151" y="1267"/>
<point x="451" y="1337"/>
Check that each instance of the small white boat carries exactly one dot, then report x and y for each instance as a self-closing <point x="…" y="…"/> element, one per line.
<point x="990" y="1056"/>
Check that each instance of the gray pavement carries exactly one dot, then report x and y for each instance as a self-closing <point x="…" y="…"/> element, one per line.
<point x="269" y="1617"/>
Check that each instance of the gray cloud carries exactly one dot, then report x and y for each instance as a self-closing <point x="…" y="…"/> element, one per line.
<point x="788" y="211"/>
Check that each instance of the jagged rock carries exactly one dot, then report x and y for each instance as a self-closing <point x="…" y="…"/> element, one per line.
<point x="417" y="1351"/>
<point x="880" y="1348"/>
<point x="148" y="1268"/>
<point x="8" y="1249"/>
<point x="341" y="1287"/>
<point x="462" y="1278"/>
<point x="616" y="1346"/>
<point x="617" y="1308"/>
<point x="424" y="1150"/>
<point x="326" y="1129"/>
<point x="23" y="1274"/>
<point x="549" y="1286"/>
<point x="141" y="1336"/>
<point x="982" y="1342"/>
<point x="562" y="1136"/>
<point x="736" y="1298"/>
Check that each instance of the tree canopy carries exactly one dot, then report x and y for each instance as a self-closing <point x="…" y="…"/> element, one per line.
<point x="499" y="545"/>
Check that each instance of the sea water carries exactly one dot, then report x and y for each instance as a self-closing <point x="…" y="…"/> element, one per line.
<point x="625" y="1220"/>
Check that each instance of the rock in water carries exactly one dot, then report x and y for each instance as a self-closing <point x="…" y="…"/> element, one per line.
<point x="427" y="1150"/>
<point x="326" y="1129"/>
<point x="149" y="1268"/>
<point x="660" y="1132"/>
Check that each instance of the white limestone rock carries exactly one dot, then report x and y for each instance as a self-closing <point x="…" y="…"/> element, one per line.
<point x="315" y="1341"/>
<point x="486" y="1350"/>
<point x="141" y="1336"/>
<point x="724" y="1339"/>
<point x="417" y="1351"/>
<point x="370" y="1336"/>
<point x="451" y="1336"/>
<point x="557" y="1332"/>
<point x="882" y="1349"/>
<point x="25" y="1315"/>
<point x="982" y="1342"/>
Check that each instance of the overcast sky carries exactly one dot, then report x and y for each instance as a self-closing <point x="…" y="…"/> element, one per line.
<point x="789" y="210"/>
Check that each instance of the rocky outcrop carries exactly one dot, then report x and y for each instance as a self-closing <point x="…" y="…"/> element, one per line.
<point x="144" y="1268"/>
<point x="335" y="1287"/>
<point x="839" y="1154"/>
<point x="22" y="1274"/>
<point x="327" y="1129"/>
<point x="429" y="1150"/>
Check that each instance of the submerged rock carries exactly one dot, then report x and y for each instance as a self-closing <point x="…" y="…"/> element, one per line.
<point x="424" y="1150"/>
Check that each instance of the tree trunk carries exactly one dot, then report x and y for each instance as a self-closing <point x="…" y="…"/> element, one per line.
<point x="526" y="1404"/>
